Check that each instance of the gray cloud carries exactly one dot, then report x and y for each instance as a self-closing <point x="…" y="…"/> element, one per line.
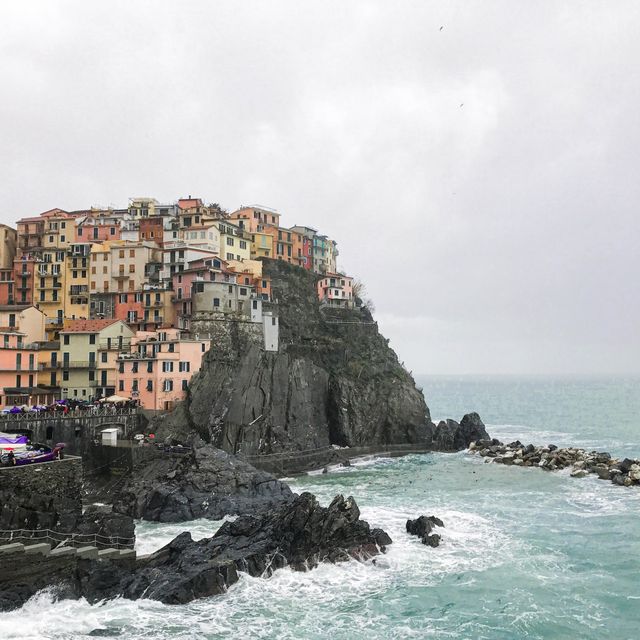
<point x="496" y="236"/>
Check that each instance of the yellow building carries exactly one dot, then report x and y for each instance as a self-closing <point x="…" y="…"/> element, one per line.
<point x="235" y="243"/>
<point x="261" y="245"/>
<point x="85" y="346"/>
<point x="157" y="306"/>
<point x="49" y="365"/>
<point x="76" y="291"/>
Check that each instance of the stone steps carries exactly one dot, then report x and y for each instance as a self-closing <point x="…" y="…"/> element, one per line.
<point x="88" y="552"/>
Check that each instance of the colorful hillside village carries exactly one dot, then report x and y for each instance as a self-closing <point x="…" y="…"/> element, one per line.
<point x="105" y="302"/>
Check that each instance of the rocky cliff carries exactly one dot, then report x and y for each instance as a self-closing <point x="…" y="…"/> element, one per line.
<point x="335" y="380"/>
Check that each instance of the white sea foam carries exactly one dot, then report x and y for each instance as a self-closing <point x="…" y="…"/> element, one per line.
<point x="151" y="536"/>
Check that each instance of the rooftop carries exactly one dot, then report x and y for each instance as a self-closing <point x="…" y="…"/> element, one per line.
<point x="87" y="326"/>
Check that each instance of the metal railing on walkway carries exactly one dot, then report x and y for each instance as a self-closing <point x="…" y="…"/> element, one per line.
<point x="64" y="539"/>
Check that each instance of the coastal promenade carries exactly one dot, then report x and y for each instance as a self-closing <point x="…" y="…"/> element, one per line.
<point x="294" y="462"/>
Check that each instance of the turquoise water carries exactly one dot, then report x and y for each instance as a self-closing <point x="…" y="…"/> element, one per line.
<point x="524" y="554"/>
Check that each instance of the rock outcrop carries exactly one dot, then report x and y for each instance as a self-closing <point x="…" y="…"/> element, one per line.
<point x="209" y="483"/>
<point x="335" y="380"/>
<point x="299" y="534"/>
<point x="624" y="472"/>
<point x="423" y="527"/>
<point x="452" y="436"/>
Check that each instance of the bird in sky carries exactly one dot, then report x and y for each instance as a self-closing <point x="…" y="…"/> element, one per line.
<point x="462" y="104"/>
<point x="441" y="28"/>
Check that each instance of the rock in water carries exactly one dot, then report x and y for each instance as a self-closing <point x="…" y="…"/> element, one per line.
<point x="452" y="436"/>
<point x="299" y="534"/>
<point x="207" y="484"/>
<point x="423" y="526"/>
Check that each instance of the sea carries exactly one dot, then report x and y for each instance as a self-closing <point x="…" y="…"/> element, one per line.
<point x="524" y="553"/>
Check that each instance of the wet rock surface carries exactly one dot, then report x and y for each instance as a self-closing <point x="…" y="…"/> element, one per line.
<point x="299" y="534"/>
<point x="450" y="435"/>
<point x="625" y="472"/>
<point x="334" y="380"/>
<point x="209" y="483"/>
<point x="423" y="528"/>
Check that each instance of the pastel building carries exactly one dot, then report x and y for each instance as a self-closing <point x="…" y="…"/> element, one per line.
<point x="254" y="218"/>
<point x="336" y="290"/>
<point x="235" y="242"/>
<point x="19" y="371"/>
<point x="157" y="370"/>
<point x="86" y="366"/>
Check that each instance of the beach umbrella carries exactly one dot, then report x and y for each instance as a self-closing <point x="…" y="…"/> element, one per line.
<point x="116" y="398"/>
<point x="15" y="410"/>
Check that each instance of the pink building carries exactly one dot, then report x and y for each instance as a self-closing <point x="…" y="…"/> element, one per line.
<point x="157" y="370"/>
<point x="336" y="290"/>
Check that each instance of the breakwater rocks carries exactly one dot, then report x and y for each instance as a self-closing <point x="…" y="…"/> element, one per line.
<point x="299" y="534"/>
<point x="208" y="483"/>
<point x="624" y="472"/>
<point x="423" y="527"/>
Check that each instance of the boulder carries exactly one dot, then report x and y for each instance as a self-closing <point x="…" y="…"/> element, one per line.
<point x="423" y="527"/>
<point x="450" y="435"/>
<point x="209" y="483"/>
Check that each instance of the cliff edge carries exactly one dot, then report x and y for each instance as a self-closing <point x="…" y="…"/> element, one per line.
<point x="334" y="381"/>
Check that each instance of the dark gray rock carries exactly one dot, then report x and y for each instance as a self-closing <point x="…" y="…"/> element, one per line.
<point x="452" y="436"/>
<point x="209" y="483"/>
<point x="299" y="534"/>
<point x="423" y="528"/>
<point x="335" y="380"/>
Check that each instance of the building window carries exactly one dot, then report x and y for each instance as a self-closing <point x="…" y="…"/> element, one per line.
<point x="65" y="339"/>
<point x="123" y="297"/>
<point x="167" y="366"/>
<point x="149" y="385"/>
<point x="103" y="356"/>
<point x="185" y="384"/>
<point x="65" y="376"/>
<point x="92" y="338"/>
<point x="184" y="367"/>
<point x="121" y="385"/>
<point x="216" y="302"/>
<point x="243" y="291"/>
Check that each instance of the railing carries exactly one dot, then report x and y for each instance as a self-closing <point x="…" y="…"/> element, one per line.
<point x="91" y="412"/>
<point x="114" y="345"/>
<point x="78" y="364"/>
<point x="62" y="539"/>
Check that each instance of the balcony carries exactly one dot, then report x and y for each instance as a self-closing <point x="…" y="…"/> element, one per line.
<point x="114" y="345"/>
<point x="50" y="364"/>
<point x="123" y="276"/>
<point x="78" y="364"/>
<point x="152" y="303"/>
<point x="54" y="322"/>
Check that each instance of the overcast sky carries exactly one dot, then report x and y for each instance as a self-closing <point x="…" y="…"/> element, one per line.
<point x="477" y="162"/>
